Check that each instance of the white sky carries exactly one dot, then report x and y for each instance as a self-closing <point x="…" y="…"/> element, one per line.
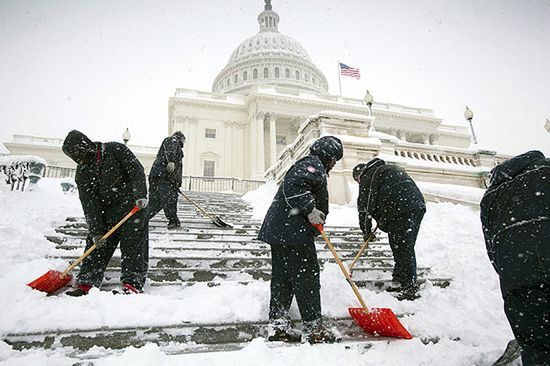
<point x="103" y="66"/>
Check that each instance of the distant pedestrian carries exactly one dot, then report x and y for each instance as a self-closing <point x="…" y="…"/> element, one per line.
<point x="110" y="182"/>
<point x="515" y="215"/>
<point x="165" y="179"/>
<point x="302" y="200"/>
<point x="390" y="196"/>
<point x="24" y="175"/>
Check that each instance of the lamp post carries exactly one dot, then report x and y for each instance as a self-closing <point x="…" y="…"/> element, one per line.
<point x="547" y="125"/>
<point x="469" y="115"/>
<point x="368" y="99"/>
<point x="126" y="136"/>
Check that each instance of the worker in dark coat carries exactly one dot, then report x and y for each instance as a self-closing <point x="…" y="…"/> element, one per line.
<point x="110" y="182"/>
<point x="165" y="179"/>
<point x="515" y="215"/>
<point x="390" y="196"/>
<point x="301" y="200"/>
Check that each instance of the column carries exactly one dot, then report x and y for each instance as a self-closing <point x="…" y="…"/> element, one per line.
<point x="260" y="162"/>
<point x="272" y="139"/>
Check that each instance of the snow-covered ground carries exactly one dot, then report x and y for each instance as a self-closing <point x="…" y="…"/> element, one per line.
<point x="466" y="317"/>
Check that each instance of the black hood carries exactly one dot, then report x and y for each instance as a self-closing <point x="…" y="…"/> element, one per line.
<point x="327" y="148"/>
<point x="79" y="147"/>
<point x="512" y="167"/>
<point x="359" y="169"/>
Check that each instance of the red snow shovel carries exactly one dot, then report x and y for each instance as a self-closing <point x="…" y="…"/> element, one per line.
<point x="377" y="321"/>
<point x="52" y="280"/>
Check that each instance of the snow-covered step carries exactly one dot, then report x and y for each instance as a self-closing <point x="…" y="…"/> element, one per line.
<point x="195" y="337"/>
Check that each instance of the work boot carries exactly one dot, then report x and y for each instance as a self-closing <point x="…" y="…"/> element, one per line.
<point x="409" y="293"/>
<point x="279" y="330"/>
<point x="80" y="290"/>
<point x="315" y="332"/>
<point x="173" y="225"/>
<point x="393" y="287"/>
<point x="127" y="289"/>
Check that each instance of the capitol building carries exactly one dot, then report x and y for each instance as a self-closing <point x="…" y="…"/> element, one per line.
<point x="270" y="102"/>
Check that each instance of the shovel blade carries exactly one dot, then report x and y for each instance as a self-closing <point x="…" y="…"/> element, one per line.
<point x="220" y="223"/>
<point x="380" y="322"/>
<point x="50" y="282"/>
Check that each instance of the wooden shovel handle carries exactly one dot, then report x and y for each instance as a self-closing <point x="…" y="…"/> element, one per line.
<point x="91" y="249"/>
<point x="341" y="265"/>
<point x="371" y="236"/>
<point x="194" y="204"/>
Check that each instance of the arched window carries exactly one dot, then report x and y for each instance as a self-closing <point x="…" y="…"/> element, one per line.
<point x="266" y="73"/>
<point x="236" y="79"/>
<point x="313" y="80"/>
<point x="297" y="75"/>
<point x="254" y="74"/>
<point x="306" y="77"/>
<point x="277" y="72"/>
<point x="245" y="76"/>
<point x="287" y="73"/>
<point x="228" y="81"/>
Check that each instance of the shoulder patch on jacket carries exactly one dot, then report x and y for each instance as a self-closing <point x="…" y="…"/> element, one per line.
<point x="311" y="169"/>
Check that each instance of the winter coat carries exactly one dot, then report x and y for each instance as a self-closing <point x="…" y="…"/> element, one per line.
<point x="386" y="193"/>
<point x="515" y="216"/>
<point x="304" y="188"/>
<point x="109" y="180"/>
<point x="171" y="150"/>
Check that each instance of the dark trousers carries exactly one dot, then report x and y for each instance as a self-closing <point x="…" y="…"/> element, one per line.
<point x="163" y="195"/>
<point x="295" y="272"/>
<point x="402" y="233"/>
<point x="528" y="312"/>
<point x="133" y="237"/>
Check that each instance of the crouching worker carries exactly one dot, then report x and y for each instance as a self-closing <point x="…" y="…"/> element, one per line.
<point x="515" y="215"/>
<point x="165" y="179"/>
<point x="390" y="196"/>
<point x="301" y="200"/>
<point x="110" y="181"/>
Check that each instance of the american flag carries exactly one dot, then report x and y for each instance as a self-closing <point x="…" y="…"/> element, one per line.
<point x="349" y="71"/>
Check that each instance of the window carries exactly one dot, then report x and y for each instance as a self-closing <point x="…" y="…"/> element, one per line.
<point x="277" y="72"/>
<point x="266" y="73"/>
<point x="245" y="76"/>
<point x="209" y="168"/>
<point x="228" y="81"/>
<point x="236" y="79"/>
<point x="313" y="80"/>
<point x="306" y="77"/>
<point x="210" y="133"/>
<point x="281" y="140"/>
<point x="297" y="75"/>
<point x="287" y="73"/>
<point x="254" y="74"/>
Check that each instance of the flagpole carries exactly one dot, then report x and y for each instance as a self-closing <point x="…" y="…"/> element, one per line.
<point x="339" y="81"/>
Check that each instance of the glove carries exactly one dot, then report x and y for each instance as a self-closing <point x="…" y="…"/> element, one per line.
<point x="99" y="241"/>
<point x="316" y="217"/>
<point x="170" y="167"/>
<point x="142" y="203"/>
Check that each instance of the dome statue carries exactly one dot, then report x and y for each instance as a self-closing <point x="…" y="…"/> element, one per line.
<point x="271" y="58"/>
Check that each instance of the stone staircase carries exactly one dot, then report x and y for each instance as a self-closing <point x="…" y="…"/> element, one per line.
<point x="200" y="252"/>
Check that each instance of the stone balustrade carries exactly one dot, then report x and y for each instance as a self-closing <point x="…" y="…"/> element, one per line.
<point x="429" y="163"/>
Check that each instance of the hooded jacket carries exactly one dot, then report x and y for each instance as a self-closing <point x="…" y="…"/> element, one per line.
<point x="303" y="188"/>
<point x="386" y="192"/>
<point x="109" y="178"/>
<point x="171" y="150"/>
<point x="515" y="216"/>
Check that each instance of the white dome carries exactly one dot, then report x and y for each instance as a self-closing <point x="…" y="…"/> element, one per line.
<point x="271" y="58"/>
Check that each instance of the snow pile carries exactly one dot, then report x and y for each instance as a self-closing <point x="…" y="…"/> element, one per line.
<point x="463" y="324"/>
